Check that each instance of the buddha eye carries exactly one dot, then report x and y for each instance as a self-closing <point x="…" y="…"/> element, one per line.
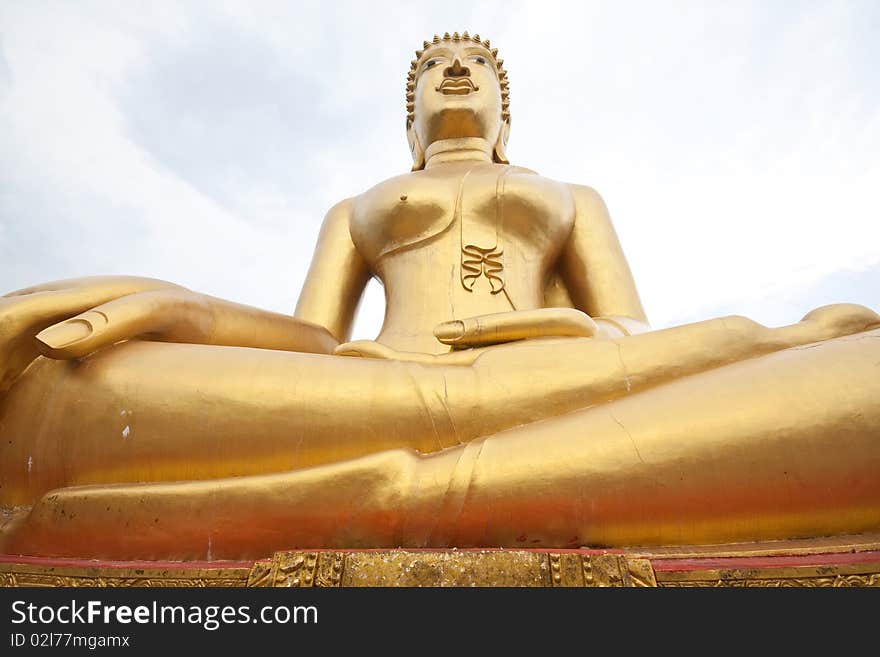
<point x="479" y="60"/>
<point x="430" y="63"/>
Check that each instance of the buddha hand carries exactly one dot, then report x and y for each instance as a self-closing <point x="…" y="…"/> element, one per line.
<point x="497" y="328"/>
<point x="76" y="317"/>
<point x="71" y="318"/>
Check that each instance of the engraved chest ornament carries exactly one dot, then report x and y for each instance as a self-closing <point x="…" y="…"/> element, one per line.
<point x="482" y="252"/>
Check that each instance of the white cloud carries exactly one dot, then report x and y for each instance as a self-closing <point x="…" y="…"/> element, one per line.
<point x="735" y="143"/>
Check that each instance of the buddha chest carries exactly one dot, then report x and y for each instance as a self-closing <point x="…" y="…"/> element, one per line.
<point x="486" y="209"/>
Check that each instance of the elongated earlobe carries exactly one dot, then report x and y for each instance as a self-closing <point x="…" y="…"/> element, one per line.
<point x="500" y="153"/>
<point x="415" y="149"/>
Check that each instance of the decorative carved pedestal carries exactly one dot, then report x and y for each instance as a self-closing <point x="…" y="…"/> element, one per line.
<point x="840" y="561"/>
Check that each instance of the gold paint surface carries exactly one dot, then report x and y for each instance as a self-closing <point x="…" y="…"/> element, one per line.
<point x="515" y="395"/>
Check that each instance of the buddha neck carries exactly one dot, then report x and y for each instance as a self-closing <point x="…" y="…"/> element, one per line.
<point x="462" y="149"/>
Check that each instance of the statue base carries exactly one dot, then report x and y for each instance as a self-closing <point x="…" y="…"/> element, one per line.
<point x="833" y="561"/>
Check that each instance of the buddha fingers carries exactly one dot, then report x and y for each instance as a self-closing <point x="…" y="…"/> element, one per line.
<point x="176" y="314"/>
<point x="26" y="312"/>
<point x="518" y="325"/>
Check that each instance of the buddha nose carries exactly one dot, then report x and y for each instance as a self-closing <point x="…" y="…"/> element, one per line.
<point x="456" y="70"/>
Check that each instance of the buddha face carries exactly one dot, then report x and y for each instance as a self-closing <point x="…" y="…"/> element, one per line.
<point x="457" y="94"/>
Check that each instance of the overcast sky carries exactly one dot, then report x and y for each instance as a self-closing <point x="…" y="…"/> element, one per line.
<point x="737" y="144"/>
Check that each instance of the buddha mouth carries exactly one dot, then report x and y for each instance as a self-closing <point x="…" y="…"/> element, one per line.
<point x="457" y="86"/>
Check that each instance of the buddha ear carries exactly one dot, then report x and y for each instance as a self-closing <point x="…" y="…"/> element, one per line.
<point x="415" y="149"/>
<point x="500" y="153"/>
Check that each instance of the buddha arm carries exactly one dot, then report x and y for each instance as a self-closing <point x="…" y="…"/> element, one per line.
<point x="166" y="312"/>
<point x="336" y="278"/>
<point x="595" y="271"/>
<point x="100" y="317"/>
<point x="74" y="318"/>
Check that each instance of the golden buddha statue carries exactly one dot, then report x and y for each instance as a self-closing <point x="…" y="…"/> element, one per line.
<point x="514" y="397"/>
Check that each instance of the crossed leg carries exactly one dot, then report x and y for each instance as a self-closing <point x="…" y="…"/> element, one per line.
<point x="781" y="445"/>
<point x="152" y="411"/>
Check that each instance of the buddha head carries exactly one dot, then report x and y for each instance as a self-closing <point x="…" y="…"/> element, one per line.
<point x="457" y="87"/>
